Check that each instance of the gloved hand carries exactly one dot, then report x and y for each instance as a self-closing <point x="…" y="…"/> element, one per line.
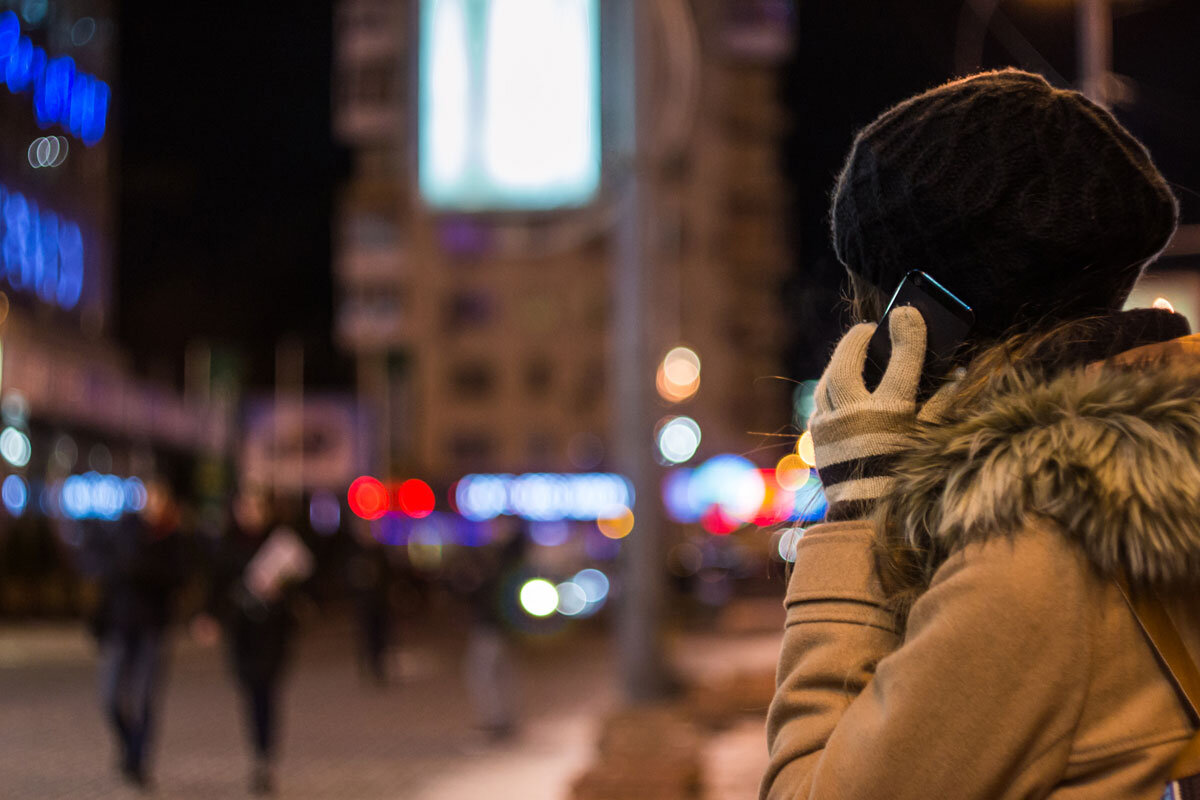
<point x="857" y="433"/>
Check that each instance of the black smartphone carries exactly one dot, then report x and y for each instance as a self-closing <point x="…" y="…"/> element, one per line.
<point x="948" y="321"/>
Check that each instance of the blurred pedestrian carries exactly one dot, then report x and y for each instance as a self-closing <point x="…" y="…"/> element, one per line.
<point x="370" y="577"/>
<point x="958" y="627"/>
<point x="140" y="562"/>
<point x="255" y="570"/>
<point x="488" y="665"/>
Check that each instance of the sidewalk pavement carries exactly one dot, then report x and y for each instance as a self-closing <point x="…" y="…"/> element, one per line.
<point x="543" y="762"/>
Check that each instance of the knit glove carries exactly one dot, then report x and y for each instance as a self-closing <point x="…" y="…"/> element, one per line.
<point x="857" y="433"/>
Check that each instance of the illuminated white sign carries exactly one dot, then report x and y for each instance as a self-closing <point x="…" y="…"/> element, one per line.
<point x="509" y="103"/>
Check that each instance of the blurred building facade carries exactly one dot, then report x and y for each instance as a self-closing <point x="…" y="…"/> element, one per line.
<point x="77" y="422"/>
<point x="484" y="343"/>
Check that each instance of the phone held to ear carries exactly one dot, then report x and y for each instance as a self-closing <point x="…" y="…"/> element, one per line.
<point x="948" y="320"/>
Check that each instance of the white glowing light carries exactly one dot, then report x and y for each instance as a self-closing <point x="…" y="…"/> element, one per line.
<point x="682" y="366"/>
<point x="1164" y="304"/>
<point x="594" y="584"/>
<point x="678" y="439"/>
<point x="539" y="598"/>
<point x="15" y="447"/>
<point x="679" y="375"/>
<point x="572" y="599"/>
<point x="787" y="543"/>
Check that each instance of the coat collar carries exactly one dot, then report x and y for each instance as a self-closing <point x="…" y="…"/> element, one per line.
<point x="1109" y="452"/>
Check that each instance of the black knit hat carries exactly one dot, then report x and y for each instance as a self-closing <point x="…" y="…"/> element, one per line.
<point x="1024" y="200"/>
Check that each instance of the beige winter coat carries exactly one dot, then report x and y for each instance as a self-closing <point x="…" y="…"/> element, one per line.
<point x="1021" y="672"/>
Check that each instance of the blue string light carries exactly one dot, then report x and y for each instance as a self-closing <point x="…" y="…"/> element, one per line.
<point x="40" y="251"/>
<point x="62" y="94"/>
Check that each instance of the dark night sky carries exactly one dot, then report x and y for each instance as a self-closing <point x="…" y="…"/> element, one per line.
<point x="227" y="176"/>
<point x="228" y="168"/>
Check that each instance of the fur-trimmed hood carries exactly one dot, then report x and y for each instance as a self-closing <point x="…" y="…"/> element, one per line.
<point x="1111" y="453"/>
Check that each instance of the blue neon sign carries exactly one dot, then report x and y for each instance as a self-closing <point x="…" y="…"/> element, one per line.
<point x="40" y="251"/>
<point x="62" y="94"/>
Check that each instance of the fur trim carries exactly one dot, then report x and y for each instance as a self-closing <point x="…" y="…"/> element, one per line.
<point x="1111" y="454"/>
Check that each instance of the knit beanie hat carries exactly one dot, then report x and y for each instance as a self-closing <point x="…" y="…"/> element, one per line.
<point x="1024" y="200"/>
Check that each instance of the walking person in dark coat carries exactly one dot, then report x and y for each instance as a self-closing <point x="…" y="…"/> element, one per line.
<point x="254" y="568"/>
<point x="140" y="563"/>
<point x="370" y="578"/>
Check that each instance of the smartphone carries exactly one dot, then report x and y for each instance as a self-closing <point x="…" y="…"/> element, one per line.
<point x="948" y="321"/>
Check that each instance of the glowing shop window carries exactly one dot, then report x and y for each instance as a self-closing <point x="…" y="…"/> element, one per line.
<point x="509" y="103"/>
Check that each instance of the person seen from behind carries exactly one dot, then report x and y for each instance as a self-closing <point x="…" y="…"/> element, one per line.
<point x="140" y="562"/>
<point x="255" y="570"/>
<point x="957" y="628"/>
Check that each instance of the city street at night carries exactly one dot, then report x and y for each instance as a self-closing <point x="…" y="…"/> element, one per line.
<point x="600" y="400"/>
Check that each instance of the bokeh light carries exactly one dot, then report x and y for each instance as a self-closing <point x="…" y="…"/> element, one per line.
<point x="549" y="534"/>
<point x="678" y="499"/>
<point x="594" y="583"/>
<point x="15" y="494"/>
<point x="791" y="472"/>
<point x="14" y="409"/>
<point x="543" y="497"/>
<point x="778" y="503"/>
<point x="806" y="450"/>
<point x="803" y="403"/>
<point x="415" y="498"/>
<point x="324" y="513"/>
<point x="786" y="546"/>
<point x="618" y="526"/>
<point x="367" y="497"/>
<point x="425" y="548"/>
<point x="811" y="503"/>
<point x="15" y="447"/>
<point x="678" y="375"/>
<point x="135" y="494"/>
<point x="731" y="482"/>
<point x="1163" y="304"/>
<point x="572" y="600"/>
<point x="97" y="496"/>
<point x="538" y="597"/>
<point x="678" y="439"/>
<point x="62" y="94"/>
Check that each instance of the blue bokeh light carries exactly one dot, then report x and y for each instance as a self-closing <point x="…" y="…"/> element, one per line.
<point x="543" y="497"/>
<point x="62" y="95"/>
<point x="15" y="494"/>
<point x="40" y="251"/>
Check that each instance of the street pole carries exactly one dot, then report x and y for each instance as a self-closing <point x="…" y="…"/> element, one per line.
<point x="1094" y="19"/>
<point x="640" y="626"/>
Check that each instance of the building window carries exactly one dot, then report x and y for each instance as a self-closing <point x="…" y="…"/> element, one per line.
<point x="539" y="375"/>
<point x="474" y="380"/>
<point x="467" y="310"/>
<point x="472" y="449"/>
<point x="540" y="449"/>
<point x="374" y="83"/>
<point x="369" y="230"/>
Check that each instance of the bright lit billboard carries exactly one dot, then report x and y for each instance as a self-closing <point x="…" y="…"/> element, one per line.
<point x="509" y="103"/>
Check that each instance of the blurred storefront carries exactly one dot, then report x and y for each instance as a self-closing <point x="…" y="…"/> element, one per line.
<point x="82" y="429"/>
